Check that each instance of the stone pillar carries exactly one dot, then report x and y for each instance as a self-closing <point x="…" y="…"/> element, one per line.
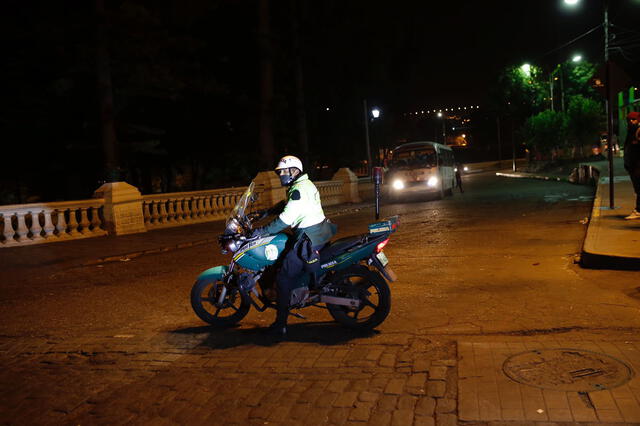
<point x="122" y="208"/>
<point x="273" y="192"/>
<point x="349" y="185"/>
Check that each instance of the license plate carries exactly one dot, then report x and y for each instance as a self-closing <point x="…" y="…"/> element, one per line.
<point x="382" y="258"/>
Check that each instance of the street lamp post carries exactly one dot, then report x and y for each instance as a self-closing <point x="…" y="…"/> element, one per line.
<point x="366" y="135"/>
<point x="444" y="128"/>
<point x="607" y="88"/>
<point x="607" y="106"/>
<point x="374" y="114"/>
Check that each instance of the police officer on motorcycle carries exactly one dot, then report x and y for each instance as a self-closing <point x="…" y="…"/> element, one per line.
<point x="303" y="213"/>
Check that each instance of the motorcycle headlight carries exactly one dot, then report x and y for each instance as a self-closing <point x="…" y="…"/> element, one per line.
<point x="233" y="226"/>
<point x="432" y="182"/>
<point x="398" y="184"/>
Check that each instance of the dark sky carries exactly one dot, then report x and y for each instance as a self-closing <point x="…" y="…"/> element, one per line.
<point x="186" y="73"/>
<point x="419" y="53"/>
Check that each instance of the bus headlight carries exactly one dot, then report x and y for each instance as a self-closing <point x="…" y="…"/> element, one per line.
<point x="432" y="182"/>
<point x="465" y="168"/>
<point x="398" y="184"/>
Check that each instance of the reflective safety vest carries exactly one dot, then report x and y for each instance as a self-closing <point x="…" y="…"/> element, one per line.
<point x="303" y="208"/>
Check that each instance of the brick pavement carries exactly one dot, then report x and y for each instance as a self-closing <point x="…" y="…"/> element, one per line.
<point x="487" y="394"/>
<point x="232" y="377"/>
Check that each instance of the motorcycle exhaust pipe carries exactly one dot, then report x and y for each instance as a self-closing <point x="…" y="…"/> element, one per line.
<point x="342" y="301"/>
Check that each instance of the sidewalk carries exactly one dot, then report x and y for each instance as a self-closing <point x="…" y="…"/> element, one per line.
<point x="611" y="241"/>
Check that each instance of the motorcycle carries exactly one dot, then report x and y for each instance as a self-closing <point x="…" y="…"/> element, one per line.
<point x="351" y="281"/>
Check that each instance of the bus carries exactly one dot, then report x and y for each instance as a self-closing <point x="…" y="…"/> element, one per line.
<point x="421" y="167"/>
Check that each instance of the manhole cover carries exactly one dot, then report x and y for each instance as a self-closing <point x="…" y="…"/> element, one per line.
<point x="567" y="370"/>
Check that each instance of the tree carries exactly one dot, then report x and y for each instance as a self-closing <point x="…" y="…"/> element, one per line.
<point x="520" y="92"/>
<point x="585" y="119"/>
<point x="546" y="131"/>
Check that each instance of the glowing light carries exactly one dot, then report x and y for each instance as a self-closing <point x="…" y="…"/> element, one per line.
<point x="398" y="184"/>
<point x="375" y="113"/>
<point x="432" y="182"/>
<point x="576" y="58"/>
<point x="526" y="69"/>
<point x="440" y="114"/>
<point x="571" y="2"/>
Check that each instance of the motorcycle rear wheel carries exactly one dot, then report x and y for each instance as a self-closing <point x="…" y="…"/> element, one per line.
<point x="204" y="301"/>
<point x="373" y="292"/>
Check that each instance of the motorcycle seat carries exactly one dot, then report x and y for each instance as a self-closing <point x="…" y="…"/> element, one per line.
<point x="334" y="248"/>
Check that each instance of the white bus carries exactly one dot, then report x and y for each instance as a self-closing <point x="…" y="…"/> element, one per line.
<point x="421" y="167"/>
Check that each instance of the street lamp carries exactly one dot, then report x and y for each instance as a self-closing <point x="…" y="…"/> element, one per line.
<point x="444" y="128"/>
<point x="576" y="58"/>
<point x="374" y="113"/>
<point x="526" y="69"/>
<point x="607" y="83"/>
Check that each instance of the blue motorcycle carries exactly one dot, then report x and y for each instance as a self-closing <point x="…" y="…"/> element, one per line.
<point x="351" y="282"/>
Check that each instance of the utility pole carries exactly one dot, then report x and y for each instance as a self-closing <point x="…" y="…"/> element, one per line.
<point x="607" y="101"/>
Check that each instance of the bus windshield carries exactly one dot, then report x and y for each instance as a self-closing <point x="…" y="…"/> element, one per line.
<point x="414" y="158"/>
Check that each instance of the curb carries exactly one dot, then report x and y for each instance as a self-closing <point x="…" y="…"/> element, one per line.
<point x="128" y="256"/>
<point x="592" y="260"/>
<point x="532" y="176"/>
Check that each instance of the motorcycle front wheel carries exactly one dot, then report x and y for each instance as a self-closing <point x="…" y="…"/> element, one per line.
<point x="207" y="303"/>
<point x="371" y="289"/>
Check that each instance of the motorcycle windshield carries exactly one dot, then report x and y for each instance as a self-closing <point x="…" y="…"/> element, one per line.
<point x="242" y="204"/>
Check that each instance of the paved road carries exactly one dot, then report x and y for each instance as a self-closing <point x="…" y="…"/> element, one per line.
<point x="118" y="342"/>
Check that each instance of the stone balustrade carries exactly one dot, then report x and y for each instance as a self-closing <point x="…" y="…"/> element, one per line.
<point x="119" y="209"/>
<point x="330" y="192"/>
<point x="24" y="224"/>
<point x="183" y="208"/>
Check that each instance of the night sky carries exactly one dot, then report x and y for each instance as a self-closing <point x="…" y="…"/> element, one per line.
<point x="186" y="75"/>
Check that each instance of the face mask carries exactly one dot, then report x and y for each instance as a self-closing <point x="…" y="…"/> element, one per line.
<point x="286" y="177"/>
<point x="286" y="180"/>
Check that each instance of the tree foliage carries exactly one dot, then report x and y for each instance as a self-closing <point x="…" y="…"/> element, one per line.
<point x="546" y="131"/>
<point x="585" y="121"/>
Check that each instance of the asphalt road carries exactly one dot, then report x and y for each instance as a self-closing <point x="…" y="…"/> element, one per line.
<point x="499" y="259"/>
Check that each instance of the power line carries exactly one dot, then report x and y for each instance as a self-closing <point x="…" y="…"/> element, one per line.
<point x="572" y="41"/>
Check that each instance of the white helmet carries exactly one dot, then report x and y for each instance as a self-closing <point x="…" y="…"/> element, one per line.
<point x="289" y="161"/>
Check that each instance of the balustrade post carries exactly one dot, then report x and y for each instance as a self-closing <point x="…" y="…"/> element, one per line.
<point x="170" y="212"/>
<point x="349" y="185"/>
<point x="146" y="214"/>
<point x="187" y="209"/>
<point x="272" y="190"/>
<point x="154" y="212"/>
<point x="73" y="223"/>
<point x="36" y="228"/>
<point x="95" y="220"/>
<point x="22" y="230"/>
<point x="163" y="211"/>
<point x="61" y="224"/>
<point x="8" y="231"/>
<point x="48" y="224"/>
<point x="179" y="211"/>
<point x="123" y="212"/>
<point x="84" y="221"/>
